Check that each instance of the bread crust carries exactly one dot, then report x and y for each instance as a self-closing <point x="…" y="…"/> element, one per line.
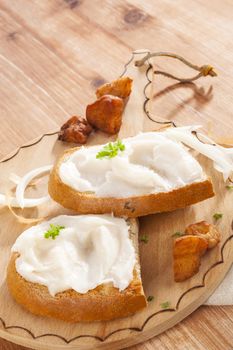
<point x="102" y="303"/>
<point x="86" y="203"/>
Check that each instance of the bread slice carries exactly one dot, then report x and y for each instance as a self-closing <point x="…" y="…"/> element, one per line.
<point x="87" y="203"/>
<point x="102" y="303"/>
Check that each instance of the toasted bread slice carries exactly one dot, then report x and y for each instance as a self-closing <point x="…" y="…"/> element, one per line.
<point x="86" y="203"/>
<point x="102" y="303"/>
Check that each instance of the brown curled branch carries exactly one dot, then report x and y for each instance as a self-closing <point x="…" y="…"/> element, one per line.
<point x="203" y="70"/>
<point x="181" y="80"/>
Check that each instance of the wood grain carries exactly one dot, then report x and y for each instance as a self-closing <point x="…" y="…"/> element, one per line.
<point x="53" y="55"/>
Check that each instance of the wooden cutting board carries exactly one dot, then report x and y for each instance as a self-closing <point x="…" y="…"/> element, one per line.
<point x="23" y="328"/>
<point x="54" y="54"/>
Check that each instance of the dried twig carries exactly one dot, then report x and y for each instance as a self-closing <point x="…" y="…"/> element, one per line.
<point x="203" y="70"/>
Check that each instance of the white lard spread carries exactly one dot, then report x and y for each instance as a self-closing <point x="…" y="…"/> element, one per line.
<point x="152" y="162"/>
<point x="91" y="250"/>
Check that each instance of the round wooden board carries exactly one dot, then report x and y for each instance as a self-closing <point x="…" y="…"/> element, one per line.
<point x="19" y="326"/>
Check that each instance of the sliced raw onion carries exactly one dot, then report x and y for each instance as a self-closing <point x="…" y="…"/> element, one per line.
<point x="20" y="218"/>
<point x="14" y="178"/>
<point x="19" y="201"/>
<point x="25" y="180"/>
<point x="28" y="202"/>
<point x="221" y="156"/>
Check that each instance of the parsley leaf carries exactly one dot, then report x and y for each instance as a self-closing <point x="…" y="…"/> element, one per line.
<point x="150" y="298"/>
<point x="111" y="150"/>
<point x="229" y="187"/>
<point x="144" y="238"/>
<point x="165" y="305"/>
<point x="217" y="216"/>
<point x="54" y="231"/>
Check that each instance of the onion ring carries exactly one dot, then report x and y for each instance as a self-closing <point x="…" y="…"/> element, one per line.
<point x="25" y="180"/>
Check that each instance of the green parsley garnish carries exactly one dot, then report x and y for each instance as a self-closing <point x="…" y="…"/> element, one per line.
<point x="150" y="298"/>
<point x="177" y="234"/>
<point x="165" y="305"/>
<point x="111" y="150"/>
<point x="229" y="187"/>
<point x="144" y="238"/>
<point x="217" y="216"/>
<point x="54" y="231"/>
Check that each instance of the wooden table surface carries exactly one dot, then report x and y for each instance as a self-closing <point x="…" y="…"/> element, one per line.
<point x="54" y="53"/>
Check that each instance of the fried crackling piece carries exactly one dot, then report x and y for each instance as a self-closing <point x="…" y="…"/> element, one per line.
<point x="205" y="230"/>
<point x="187" y="253"/>
<point x="120" y="88"/>
<point x="76" y="130"/>
<point x="105" y="114"/>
